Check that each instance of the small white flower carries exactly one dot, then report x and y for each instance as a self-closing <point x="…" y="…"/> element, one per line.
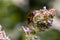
<point x="44" y="7"/>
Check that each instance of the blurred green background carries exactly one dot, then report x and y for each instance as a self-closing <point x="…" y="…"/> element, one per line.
<point x="13" y="13"/>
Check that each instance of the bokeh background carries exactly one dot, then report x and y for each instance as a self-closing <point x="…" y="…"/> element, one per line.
<point x="13" y="14"/>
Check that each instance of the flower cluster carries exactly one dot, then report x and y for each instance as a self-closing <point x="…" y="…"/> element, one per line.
<point x="43" y="17"/>
<point x="3" y="34"/>
<point x="38" y="20"/>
